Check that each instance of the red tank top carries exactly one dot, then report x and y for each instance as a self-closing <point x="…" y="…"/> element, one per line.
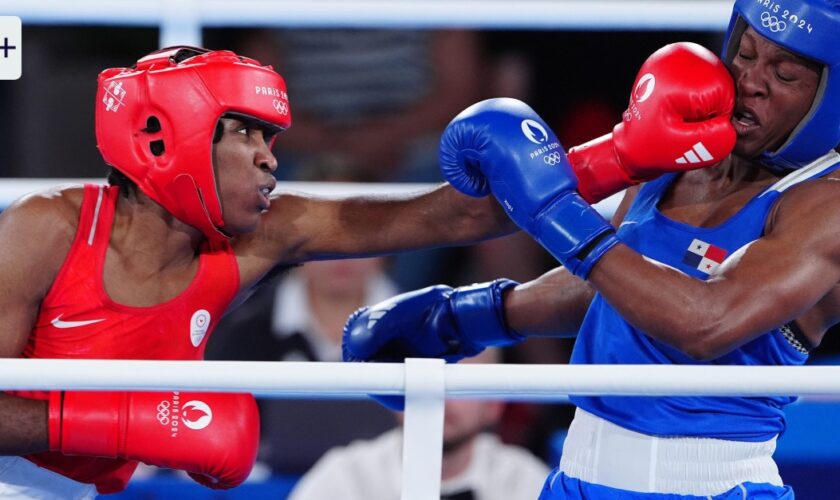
<point x="77" y="319"/>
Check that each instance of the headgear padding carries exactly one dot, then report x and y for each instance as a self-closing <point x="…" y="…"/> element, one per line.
<point x="155" y="123"/>
<point x="809" y="28"/>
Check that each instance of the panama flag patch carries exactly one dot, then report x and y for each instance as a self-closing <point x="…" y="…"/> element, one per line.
<point x="703" y="256"/>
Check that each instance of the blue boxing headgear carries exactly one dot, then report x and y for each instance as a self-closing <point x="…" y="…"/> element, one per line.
<point x="809" y="28"/>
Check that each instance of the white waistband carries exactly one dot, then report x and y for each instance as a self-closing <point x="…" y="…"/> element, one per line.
<point x="600" y="452"/>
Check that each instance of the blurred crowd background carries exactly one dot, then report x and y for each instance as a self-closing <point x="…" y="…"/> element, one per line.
<point x="368" y="105"/>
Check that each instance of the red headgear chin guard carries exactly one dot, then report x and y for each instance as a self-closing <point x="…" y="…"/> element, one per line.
<point x="155" y="123"/>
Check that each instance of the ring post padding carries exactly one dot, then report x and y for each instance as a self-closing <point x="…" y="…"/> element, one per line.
<point x="423" y="428"/>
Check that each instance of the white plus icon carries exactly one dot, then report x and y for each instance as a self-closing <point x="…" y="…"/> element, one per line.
<point x="10" y="48"/>
<point x="6" y="47"/>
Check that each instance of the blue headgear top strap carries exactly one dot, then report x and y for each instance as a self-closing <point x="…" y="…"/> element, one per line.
<point x="810" y="28"/>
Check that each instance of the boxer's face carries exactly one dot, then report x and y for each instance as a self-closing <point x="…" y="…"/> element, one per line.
<point x="775" y="89"/>
<point x="243" y="164"/>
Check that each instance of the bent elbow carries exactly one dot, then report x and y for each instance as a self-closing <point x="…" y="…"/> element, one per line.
<point x="700" y="352"/>
<point x="701" y="341"/>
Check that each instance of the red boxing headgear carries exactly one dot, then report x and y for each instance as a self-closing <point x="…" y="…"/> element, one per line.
<point x="155" y="123"/>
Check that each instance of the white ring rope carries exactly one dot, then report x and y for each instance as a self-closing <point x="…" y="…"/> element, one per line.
<point x="13" y="188"/>
<point x="473" y="381"/>
<point x="181" y="21"/>
<point x="527" y="14"/>
<point x="424" y="382"/>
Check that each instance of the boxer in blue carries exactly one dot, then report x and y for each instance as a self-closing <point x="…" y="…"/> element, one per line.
<point x="736" y="264"/>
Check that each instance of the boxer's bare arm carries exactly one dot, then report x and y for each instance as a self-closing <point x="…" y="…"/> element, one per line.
<point x="300" y="228"/>
<point x="35" y="236"/>
<point x="775" y="280"/>
<point x="552" y="305"/>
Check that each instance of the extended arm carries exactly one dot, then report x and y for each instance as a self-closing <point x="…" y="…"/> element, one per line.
<point x="300" y="228"/>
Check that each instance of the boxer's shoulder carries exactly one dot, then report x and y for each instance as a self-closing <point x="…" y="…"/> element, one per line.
<point x="57" y="208"/>
<point x="817" y="200"/>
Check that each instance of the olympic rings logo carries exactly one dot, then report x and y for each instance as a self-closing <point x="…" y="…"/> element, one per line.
<point x="772" y="23"/>
<point x="553" y="158"/>
<point x="280" y="106"/>
<point x="163" y="412"/>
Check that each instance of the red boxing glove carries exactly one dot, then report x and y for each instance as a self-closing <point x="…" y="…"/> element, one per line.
<point x="678" y="119"/>
<point x="212" y="436"/>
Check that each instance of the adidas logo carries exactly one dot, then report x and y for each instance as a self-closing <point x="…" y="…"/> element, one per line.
<point x="379" y="311"/>
<point x="696" y="154"/>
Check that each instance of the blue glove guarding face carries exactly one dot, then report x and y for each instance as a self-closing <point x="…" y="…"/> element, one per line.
<point x="435" y="322"/>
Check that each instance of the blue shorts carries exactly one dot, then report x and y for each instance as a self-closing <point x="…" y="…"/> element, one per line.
<point x="559" y="486"/>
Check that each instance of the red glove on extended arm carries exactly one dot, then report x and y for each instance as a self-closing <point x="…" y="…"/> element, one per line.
<point x="678" y="119"/>
<point x="212" y="436"/>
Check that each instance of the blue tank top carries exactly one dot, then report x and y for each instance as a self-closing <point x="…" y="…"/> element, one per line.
<point x="606" y="338"/>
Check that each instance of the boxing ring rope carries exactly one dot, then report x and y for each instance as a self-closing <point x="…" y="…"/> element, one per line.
<point x="13" y="188"/>
<point x="425" y="382"/>
<point x="181" y="21"/>
<point x="545" y="383"/>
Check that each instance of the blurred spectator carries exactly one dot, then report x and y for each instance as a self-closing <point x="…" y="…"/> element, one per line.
<point x="301" y="319"/>
<point x="378" y="97"/>
<point x="476" y="464"/>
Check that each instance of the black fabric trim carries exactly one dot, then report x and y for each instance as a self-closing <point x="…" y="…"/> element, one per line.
<point x="795" y="337"/>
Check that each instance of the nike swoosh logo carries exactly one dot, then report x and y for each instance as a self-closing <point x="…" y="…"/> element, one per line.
<point x="56" y="322"/>
<point x="627" y="223"/>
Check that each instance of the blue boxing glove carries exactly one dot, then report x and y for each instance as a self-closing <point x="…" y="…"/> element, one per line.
<point x="502" y="146"/>
<point x="435" y="322"/>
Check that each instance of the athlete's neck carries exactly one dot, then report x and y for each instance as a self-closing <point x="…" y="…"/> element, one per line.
<point x="732" y="175"/>
<point x="153" y="236"/>
<point x="734" y="170"/>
